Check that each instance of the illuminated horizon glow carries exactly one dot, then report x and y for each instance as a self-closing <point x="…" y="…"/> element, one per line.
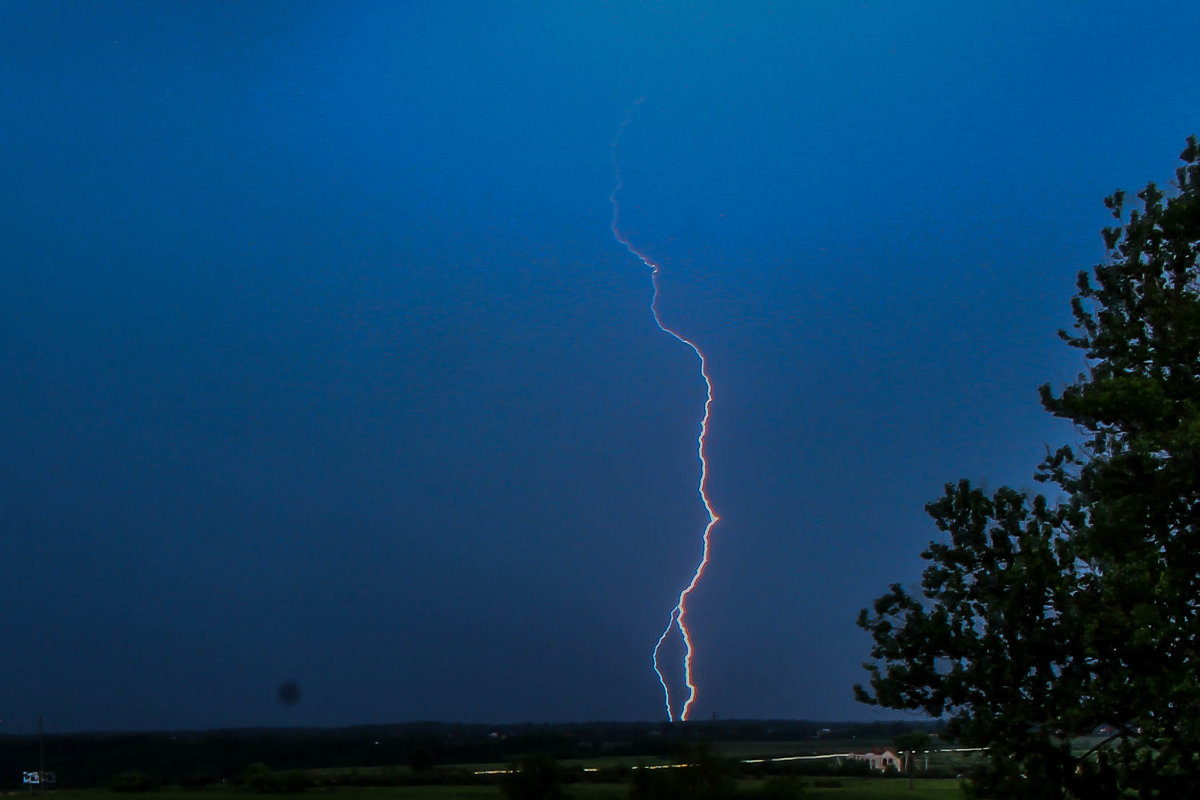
<point x="678" y="618"/>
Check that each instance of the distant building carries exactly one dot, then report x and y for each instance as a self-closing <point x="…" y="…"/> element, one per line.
<point x="880" y="759"/>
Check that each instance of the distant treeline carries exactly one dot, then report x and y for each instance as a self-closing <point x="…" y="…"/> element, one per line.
<point x="198" y="758"/>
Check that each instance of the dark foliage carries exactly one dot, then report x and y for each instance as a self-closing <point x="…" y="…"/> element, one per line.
<point x="262" y="779"/>
<point x="536" y="777"/>
<point x="133" y="781"/>
<point x="783" y="787"/>
<point x="701" y="774"/>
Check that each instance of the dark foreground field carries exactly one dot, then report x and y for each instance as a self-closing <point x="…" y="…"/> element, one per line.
<point x="740" y="760"/>
<point x="850" y="789"/>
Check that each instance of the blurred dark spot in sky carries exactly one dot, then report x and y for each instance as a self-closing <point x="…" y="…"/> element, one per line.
<point x="289" y="693"/>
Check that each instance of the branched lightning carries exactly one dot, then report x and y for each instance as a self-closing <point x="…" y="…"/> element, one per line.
<point x="678" y="620"/>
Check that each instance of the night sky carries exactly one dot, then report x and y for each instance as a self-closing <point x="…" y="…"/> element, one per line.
<point x="320" y="362"/>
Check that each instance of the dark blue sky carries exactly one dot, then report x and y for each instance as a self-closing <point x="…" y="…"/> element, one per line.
<point x="320" y="361"/>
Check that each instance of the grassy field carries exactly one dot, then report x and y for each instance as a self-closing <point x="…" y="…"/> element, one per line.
<point x="850" y="789"/>
<point x="890" y="789"/>
<point x="334" y="793"/>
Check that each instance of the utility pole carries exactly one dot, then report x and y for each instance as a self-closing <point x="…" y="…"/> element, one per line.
<point x="41" y="756"/>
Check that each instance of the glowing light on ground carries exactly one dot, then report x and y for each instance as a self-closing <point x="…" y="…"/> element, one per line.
<point x="773" y="760"/>
<point x="678" y="619"/>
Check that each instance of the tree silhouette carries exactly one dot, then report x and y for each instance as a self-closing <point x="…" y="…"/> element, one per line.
<point x="1043" y="619"/>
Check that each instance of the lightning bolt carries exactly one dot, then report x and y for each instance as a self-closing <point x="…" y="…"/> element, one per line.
<point x="678" y="619"/>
